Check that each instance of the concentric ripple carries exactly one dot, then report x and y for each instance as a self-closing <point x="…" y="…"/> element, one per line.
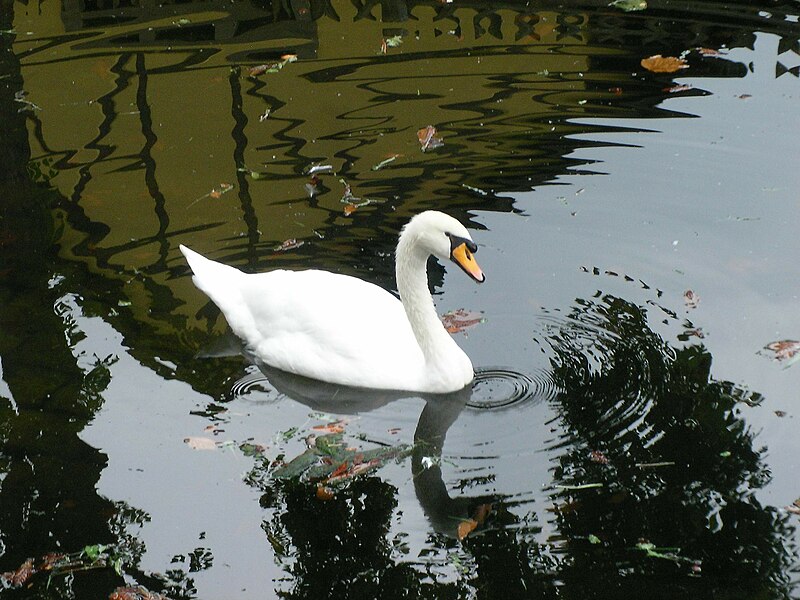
<point x="253" y="386"/>
<point x="495" y="388"/>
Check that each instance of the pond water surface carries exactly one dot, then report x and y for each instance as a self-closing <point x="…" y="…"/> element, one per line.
<point x="630" y="434"/>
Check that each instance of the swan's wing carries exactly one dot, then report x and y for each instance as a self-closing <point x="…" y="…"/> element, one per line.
<point x="316" y="323"/>
<point x="331" y="327"/>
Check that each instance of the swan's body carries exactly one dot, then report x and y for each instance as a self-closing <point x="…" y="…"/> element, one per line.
<point x="343" y="330"/>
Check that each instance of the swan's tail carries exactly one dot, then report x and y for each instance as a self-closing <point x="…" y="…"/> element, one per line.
<point x="219" y="282"/>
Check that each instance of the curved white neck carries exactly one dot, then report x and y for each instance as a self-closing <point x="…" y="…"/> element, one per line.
<point x="438" y="347"/>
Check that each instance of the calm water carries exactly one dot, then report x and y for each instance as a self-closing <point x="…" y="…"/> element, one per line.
<point x="628" y="436"/>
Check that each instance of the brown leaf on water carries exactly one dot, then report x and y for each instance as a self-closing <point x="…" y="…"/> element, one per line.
<point x="289" y="244"/>
<point x="349" y="209"/>
<point x="456" y="321"/>
<point x="427" y="138"/>
<point x="664" y="64"/>
<point x="691" y="299"/>
<point x="709" y="52"/>
<point x="783" y="349"/>
<point x="598" y="457"/>
<point x="324" y="493"/>
<point x="135" y="593"/>
<point x="21" y="576"/>
<point x="200" y="443"/>
<point x="794" y="508"/>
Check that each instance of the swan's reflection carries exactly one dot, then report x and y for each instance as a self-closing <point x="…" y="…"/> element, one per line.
<point x="438" y="415"/>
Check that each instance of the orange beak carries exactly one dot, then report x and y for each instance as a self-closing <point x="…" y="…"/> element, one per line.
<point x="462" y="253"/>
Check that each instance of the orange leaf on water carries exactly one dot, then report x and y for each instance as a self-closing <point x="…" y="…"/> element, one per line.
<point x="466" y="527"/>
<point x="456" y="321"/>
<point x="664" y="64"/>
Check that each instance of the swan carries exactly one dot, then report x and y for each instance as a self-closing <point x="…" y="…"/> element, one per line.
<point x="342" y="330"/>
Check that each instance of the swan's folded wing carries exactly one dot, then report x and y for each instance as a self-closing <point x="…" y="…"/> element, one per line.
<point x="327" y="326"/>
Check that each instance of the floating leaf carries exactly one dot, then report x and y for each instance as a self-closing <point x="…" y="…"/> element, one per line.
<point x="664" y="64"/>
<point x="21" y="575"/>
<point x="329" y="461"/>
<point x="598" y="457"/>
<point x="324" y="493"/>
<point x="784" y="350"/>
<point x="629" y="5"/>
<point x="466" y="527"/>
<point x="394" y="41"/>
<point x="794" y="508"/>
<point x="289" y="244"/>
<point x="427" y="138"/>
<point x="709" y="52"/>
<point x="272" y="67"/>
<point x="593" y="539"/>
<point x="94" y="552"/>
<point x="135" y="593"/>
<point x="456" y="321"/>
<point x="200" y="443"/>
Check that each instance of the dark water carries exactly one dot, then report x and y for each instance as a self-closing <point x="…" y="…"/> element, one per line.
<point x="627" y="436"/>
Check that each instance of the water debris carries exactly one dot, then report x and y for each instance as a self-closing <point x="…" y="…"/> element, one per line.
<point x="655" y="465"/>
<point x="264" y="116"/>
<point x="629" y="5"/>
<point x="316" y="169"/>
<point x="597" y="456"/>
<point x="351" y="202"/>
<point x="255" y="175"/>
<point x="135" y="593"/>
<point x="794" y="507"/>
<point x="456" y="321"/>
<point x="784" y="350"/>
<point x="28" y="105"/>
<point x="390" y="42"/>
<point x="272" y="67"/>
<point x="330" y="462"/>
<point x="585" y="486"/>
<point x="96" y="556"/>
<point x="664" y="64"/>
<point x="385" y="162"/>
<point x="427" y="138"/>
<point x="671" y="554"/>
<point x="200" y="443"/>
<point x="677" y="88"/>
<point x="690" y="299"/>
<point x="215" y="193"/>
<point x="710" y="52"/>
<point x="475" y="189"/>
<point x="289" y="244"/>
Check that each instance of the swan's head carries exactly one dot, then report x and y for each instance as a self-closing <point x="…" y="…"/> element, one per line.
<point x="447" y="239"/>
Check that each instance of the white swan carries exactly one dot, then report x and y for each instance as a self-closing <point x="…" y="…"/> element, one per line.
<point x="343" y="330"/>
